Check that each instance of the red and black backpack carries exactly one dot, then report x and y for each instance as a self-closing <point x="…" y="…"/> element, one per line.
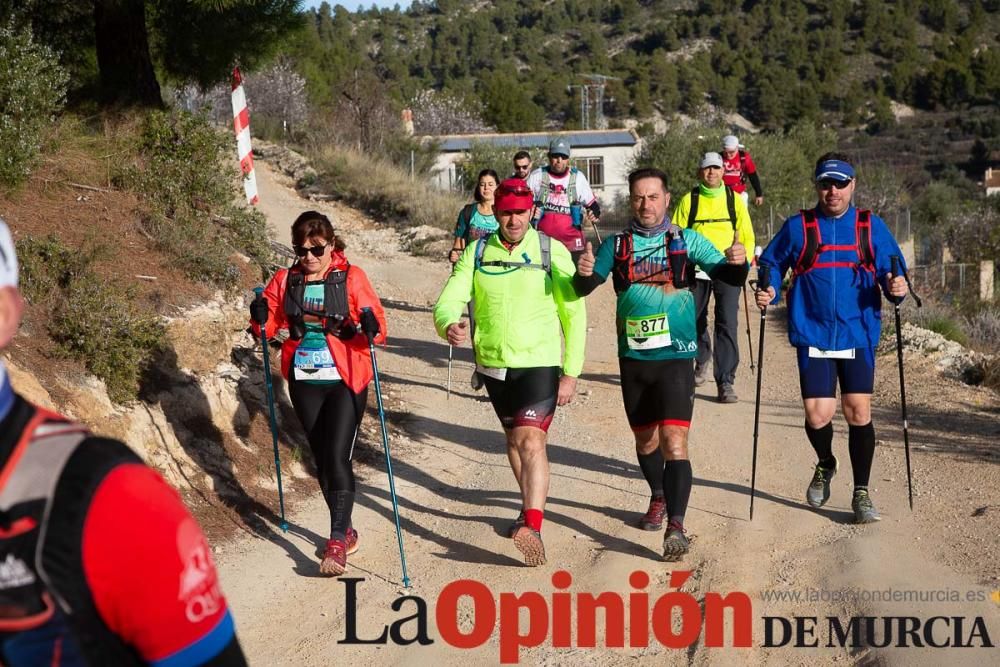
<point x="813" y="246"/>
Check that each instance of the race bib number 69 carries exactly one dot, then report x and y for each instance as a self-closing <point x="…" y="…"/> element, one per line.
<point x="647" y="333"/>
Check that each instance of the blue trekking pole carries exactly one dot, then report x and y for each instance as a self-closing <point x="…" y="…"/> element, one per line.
<point x="258" y="310"/>
<point x="369" y="325"/>
<point x="763" y="282"/>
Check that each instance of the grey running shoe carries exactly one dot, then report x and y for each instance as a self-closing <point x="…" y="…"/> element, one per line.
<point x="518" y="522"/>
<point x="675" y="544"/>
<point x="819" y="488"/>
<point x="653" y="518"/>
<point x="476" y="382"/>
<point x="727" y="394"/>
<point x="864" y="511"/>
<point x="700" y="374"/>
<point x="529" y="543"/>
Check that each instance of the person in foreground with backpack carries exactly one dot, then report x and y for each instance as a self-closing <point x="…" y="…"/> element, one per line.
<point x="323" y="301"/>
<point x="841" y="257"/>
<point x="655" y="319"/>
<point x="102" y="562"/>
<point x="716" y="212"/>
<point x="522" y="284"/>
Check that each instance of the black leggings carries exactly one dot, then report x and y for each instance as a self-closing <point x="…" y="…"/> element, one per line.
<point x="330" y="415"/>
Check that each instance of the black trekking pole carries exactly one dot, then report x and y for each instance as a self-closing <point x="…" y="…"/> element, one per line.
<point x="746" y="311"/>
<point x="367" y="315"/>
<point x="259" y="311"/>
<point x="763" y="282"/>
<point x="902" y="383"/>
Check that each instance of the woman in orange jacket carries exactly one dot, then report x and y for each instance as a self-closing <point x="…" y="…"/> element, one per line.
<point x="326" y="362"/>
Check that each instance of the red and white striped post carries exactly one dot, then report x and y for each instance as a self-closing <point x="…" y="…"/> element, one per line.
<point x="241" y="125"/>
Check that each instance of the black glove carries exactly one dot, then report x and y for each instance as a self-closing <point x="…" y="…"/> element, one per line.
<point x="369" y="323"/>
<point x="342" y="328"/>
<point x="258" y="310"/>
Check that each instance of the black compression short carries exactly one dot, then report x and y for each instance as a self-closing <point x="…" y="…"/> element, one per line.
<point x="657" y="392"/>
<point x="527" y="397"/>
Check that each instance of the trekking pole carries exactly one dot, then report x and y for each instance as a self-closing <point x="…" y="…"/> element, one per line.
<point x="902" y="383"/>
<point x="451" y="350"/>
<point x="746" y="311"/>
<point x="261" y="316"/>
<point x="597" y="233"/>
<point x="367" y="312"/>
<point x="763" y="282"/>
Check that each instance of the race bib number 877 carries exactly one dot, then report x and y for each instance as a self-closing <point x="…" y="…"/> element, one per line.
<point x="647" y="333"/>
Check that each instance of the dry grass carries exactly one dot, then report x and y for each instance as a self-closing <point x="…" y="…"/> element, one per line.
<point x="382" y="190"/>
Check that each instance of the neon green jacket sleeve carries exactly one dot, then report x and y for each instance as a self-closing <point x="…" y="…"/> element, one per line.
<point x="457" y="292"/>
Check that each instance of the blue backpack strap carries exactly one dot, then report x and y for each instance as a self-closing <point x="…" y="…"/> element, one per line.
<point x="480" y="249"/>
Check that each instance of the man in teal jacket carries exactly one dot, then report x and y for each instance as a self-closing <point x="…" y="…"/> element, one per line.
<point x="655" y="320"/>
<point x="522" y="286"/>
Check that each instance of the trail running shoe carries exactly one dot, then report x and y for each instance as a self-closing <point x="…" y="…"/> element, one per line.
<point x="653" y="518"/>
<point x="700" y="374"/>
<point x="334" y="561"/>
<point x="819" y="488"/>
<point x="351" y="541"/>
<point x="336" y="552"/>
<point x="529" y="543"/>
<point x="675" y="543"/>
<point x="864" y="511"/>
<point x="727" y="394"/>
<point x="518" y="522"/>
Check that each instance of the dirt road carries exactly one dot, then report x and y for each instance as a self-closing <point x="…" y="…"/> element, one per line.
<point x="457" y="495"/>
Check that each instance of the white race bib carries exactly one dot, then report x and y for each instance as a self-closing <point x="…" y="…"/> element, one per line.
<point x="816" y="353"/>
<point x="647" y="333"/>
<point x="495" y="373"/>
<point x="330" y="374"/>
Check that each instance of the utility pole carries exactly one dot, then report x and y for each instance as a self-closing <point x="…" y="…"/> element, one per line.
<point x="584" y="105"/>
<point x="597" y="83"/>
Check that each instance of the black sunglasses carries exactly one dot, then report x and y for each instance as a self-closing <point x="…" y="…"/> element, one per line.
<point x="316" y="250"/>
<point x="828" y="183"/>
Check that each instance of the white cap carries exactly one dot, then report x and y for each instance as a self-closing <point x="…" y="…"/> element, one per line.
<point x="730" y="142"/>
<point x="8" y="260"/>
<point x="711" y="160"/>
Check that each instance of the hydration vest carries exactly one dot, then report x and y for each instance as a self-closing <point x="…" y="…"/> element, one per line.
<point x="623" y="269"/>
<point x="544" y="244"/>
<point x="335" y="304"/>
<point x="813" y="246"/>
<point x="730" y="207"/>
<point x="543" y="190"/>
<point x="28" y="599"/>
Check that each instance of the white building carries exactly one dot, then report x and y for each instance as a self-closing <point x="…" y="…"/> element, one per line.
<point x="603" y="155"/>
<point x="991" y="181"/>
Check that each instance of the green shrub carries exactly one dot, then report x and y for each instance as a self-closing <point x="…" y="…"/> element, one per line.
<point x="102" y="325"/>
<point x="189" y="182"/>
<point x="47" y="267"/>
<point x="32" y="88"/>
<point x="948" y="327"/>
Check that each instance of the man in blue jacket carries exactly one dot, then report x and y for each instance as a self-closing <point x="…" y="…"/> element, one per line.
<point x="841" y="257"/>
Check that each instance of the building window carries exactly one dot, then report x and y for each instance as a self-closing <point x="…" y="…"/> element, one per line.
<point x="593" y="168"/>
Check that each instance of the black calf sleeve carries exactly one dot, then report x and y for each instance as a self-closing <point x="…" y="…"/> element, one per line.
<point x="821" y="440"/>
<point x="652" y="469"/>
<point x="861" y="445"/>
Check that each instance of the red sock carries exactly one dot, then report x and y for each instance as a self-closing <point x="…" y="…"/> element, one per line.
<point x="533" y="519"/>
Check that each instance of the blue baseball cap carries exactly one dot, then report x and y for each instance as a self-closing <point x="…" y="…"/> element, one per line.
<point x="836" y="170"/>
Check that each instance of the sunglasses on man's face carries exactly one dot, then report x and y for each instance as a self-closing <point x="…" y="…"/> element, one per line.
<point x="316" y="250"/>
<point x="828" y="183"/>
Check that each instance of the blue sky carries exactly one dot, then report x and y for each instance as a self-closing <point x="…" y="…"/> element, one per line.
<point x="353" y="5"/>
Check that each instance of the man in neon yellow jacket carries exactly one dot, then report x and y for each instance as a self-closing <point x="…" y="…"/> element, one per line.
<point x="720" y="216"/>
<point x="522" y="285"/>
